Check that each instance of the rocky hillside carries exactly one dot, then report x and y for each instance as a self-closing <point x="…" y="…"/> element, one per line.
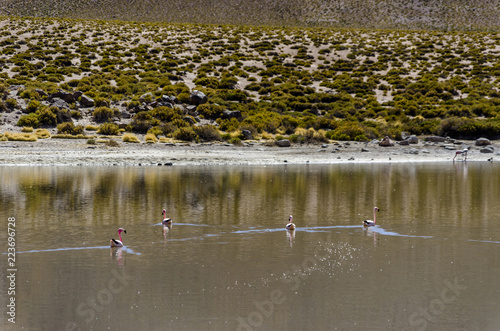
<point x="371" y="14"/>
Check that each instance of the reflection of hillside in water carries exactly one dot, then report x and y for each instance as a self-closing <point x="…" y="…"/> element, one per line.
<point x="251" y="195"/>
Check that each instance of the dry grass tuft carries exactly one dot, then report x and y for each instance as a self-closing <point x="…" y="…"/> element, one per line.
<point x="20" y="136"/>
<point x="42" y="133"/>
<point x="130" y="138"/>
<point x="70" y="136"/>
<point x="151" y="138"/>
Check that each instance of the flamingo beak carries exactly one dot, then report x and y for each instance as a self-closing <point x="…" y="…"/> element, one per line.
<point x="125" y="231"/>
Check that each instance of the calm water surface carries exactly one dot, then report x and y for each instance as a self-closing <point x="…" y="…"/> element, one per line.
<point x="431" y="263"/>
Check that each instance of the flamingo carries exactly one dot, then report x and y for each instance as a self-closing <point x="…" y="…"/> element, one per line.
<point x="290" y="225"/>
<point x="462" y="152"/>
<point x="370" y="222"/>
<point x="118" y="243"/>
<point x="166" y="220"/>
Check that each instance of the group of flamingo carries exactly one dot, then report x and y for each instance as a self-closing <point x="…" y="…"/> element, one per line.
<point x="167" y="222"/>
<point x="290" y="226"/>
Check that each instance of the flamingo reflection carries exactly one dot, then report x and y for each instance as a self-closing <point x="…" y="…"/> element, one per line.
<point x="117" y="254"/>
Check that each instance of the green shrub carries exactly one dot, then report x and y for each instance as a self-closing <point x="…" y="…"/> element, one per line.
<point x="33" y="106"/>
<point x="185" y="133"/>
<point x="347" y="131"/>
<point x="210" y="111"/>
<point x="46" y="116"/>
<point x="109" y="129"/>
<point x="139" y="126"/>
<point x="166" y="114"/>
<point x="69" y="128"/>
<point x="11" y="103"/>
<point x="29" y="120"/>
<point x="207" y="133"/>
<point x="156" y="131"/>
<point x="103" y="114"/>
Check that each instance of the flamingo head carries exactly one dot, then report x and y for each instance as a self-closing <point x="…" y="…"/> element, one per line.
<point x="120" y="230"/>
<point x="290" y="219"/>
<point x="376" y="209"/>
<point x="164" y="212"/>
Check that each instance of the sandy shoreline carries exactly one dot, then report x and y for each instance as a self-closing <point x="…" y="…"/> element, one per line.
<point x="71" y="153"/>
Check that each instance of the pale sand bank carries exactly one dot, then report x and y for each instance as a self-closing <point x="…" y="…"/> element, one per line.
<point x="77" y="152"/>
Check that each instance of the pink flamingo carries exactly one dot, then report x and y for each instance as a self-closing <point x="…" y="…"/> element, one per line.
<point x="462" y="152"/>
<point x="118" y="243"/>
<point x="370" y="222"/>
<point x="290" y="225"/>
<point x="166" y="220"/>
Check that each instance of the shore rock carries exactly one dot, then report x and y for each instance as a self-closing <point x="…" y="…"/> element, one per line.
<point x="283" y="143"/>
<point x="487" y="149"/>
<point x="405" y="142"/>
<point x="247" y="134"/>
<point x="413" y="139"/>
<point x="483" y="142"/>
<point x="435" y="139"/>
<point x="386" y="142"/>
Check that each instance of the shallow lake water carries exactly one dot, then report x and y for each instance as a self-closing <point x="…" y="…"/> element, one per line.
<point x="227" y="263"/>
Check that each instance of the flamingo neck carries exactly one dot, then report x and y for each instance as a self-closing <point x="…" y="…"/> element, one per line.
<point x="374" y="216"/>
<point x="120" y="235"/>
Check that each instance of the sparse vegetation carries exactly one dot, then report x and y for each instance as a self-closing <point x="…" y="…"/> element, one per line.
<point x="363" y="84"/>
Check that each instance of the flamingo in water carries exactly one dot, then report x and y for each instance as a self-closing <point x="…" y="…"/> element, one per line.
<point x="370" y="222"/>
<point x="290" y="225"/>
<point x="166" y="220"/>
<point x="118" y="243"/>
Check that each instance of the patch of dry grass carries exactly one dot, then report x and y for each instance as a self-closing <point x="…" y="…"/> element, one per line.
<point x="130" y="138"/>
<point x="14" y="136"/>
<point x="151" y="138"/>
<point x="42" y="133"/>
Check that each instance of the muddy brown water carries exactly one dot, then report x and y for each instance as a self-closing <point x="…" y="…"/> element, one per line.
<point x="227" y="263"/>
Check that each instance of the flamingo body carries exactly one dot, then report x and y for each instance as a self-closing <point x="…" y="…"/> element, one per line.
<point x="370" y="222"/>
<point x="166" y="220"/>
<point x="290" y="225"/>
<point x="118" y="243"/>
<point x="462" y="152"/>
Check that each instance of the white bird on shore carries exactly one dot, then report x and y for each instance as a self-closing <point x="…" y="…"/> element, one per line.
<point x="370" y="222"/>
